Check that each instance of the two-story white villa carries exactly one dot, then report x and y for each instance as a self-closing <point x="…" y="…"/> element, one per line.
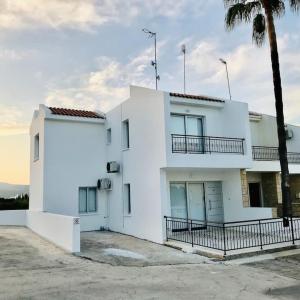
<point x="157" y="154"/>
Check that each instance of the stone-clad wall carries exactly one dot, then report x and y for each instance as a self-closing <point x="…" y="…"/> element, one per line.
<point x="245" y="193"/>
<point x="271" y="189"/>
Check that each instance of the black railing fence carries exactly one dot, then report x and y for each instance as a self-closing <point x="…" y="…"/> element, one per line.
<point x="232" y="235"/>
<point x="206" y="144"/>
<point x="271" y="153"/>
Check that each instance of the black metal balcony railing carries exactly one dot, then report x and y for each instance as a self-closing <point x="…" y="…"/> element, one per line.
<point x="206" y="144"/>
<point x="232" y="235"/>
<point x="271" y="154"/>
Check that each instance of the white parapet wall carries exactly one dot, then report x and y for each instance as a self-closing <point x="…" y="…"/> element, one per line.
<point x="13" y="217"/>
<point x="64" y="231"/>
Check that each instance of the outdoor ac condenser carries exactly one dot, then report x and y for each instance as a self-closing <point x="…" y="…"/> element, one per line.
<point x="112" y="167"/>
<point x="104" y="184"/>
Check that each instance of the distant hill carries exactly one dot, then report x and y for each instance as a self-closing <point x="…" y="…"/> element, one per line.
<point x="8" y="190"/>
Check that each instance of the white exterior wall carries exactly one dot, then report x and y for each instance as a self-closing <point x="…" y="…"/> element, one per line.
<point x="74" y="157"/>
<point x="140" y="165"/>
<point x="13" y="217"/>
<point x="37" y="167"/>
<point x="63" y="231"/>
<point x="220" y="120"/>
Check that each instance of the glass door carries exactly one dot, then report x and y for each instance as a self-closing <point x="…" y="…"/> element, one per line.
<point x="194" y="130"/>
<point x="178" y="200"/>
<point x="178" y="133"/>
<point x="196" y="202"/>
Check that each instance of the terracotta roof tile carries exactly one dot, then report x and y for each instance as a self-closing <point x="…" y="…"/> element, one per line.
<point x="75" y="113"/>
<point x="200" y="97"/>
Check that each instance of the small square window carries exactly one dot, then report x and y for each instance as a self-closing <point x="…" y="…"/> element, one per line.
<point x="36" y="146"/>
<point x="108" y="136"/>
<point x="127" y="199"/>
<point x="87" y="199"/>
<point x="125" y="134"/>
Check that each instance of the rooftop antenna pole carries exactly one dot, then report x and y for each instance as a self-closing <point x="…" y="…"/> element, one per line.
<point x="183" y="50"/>
<point x="225" y="63"/>
<point x="153" y="63"/>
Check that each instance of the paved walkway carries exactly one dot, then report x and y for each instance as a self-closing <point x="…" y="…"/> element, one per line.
<point x="32" y="268"/>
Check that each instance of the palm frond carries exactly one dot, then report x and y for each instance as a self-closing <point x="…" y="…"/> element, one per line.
<point x="241" y="12"/>
<point x="259" y="30"/>
<point x="278" y="8"/>
<point x="228" y="3"/>
<point x="295" y="5"/>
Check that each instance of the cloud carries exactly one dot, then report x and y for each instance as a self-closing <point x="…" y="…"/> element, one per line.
<point x="250" y="73"/>
<point x="84" y="14"/>
<point x="105" y="87"/>
<point x="14" y="55"/>
<point x="10" y="121"/>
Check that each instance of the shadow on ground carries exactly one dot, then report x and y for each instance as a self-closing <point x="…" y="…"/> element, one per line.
<point x="291" y="292"/>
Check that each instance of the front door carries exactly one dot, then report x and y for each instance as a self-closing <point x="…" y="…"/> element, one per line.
<point x="214" y="200"/>
<point x="196" y="204"/>
<point x="254" y="194"/>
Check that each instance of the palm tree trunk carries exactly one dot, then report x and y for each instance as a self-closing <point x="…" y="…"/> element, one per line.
<point x="285" y="180"/>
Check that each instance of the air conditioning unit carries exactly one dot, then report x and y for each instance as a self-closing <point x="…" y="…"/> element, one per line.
<point x="288" y="133"/>
<point x="104" y="184"/>
<point x="112" y="167"/>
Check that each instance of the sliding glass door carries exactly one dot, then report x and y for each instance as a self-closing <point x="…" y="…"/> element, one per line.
<point x="187" y="201"/>
<point x="178" y="200"/>
<point x="188" y="131"/>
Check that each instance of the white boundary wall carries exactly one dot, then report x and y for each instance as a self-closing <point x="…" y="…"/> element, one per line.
<point x="64" y="231"/>
<point x="13" y="217"/>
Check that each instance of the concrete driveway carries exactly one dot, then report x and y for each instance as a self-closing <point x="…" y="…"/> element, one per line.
<point x="32" y="268"/>
<point x="123" y="250"/>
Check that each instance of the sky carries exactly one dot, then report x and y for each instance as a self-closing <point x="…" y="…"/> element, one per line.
<point x="85" y="53"/>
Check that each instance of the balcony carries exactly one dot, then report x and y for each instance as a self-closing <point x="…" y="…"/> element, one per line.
<point x="262" y="153"/>
<point x="206" y="144"/>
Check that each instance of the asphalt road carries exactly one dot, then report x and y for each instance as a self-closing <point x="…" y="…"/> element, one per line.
<point x="32" y="268"/>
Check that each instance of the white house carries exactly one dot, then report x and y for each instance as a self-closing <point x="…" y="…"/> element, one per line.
<point x="156" y="154"/>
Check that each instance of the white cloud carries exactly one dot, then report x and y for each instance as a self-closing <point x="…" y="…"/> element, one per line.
<point x="107" y="86"/>
<point x="11" y="121"/>
<point x="84" y="14"/>
<point x="250" y="73"/>
<point x="13" y="55"/>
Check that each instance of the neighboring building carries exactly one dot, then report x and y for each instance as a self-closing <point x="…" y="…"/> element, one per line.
<point x="264" y="181"/>
<point x="176" y="155"/>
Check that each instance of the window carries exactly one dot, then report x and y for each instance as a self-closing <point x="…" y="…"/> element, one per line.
<point x="127" y="199"/>
<point x="36" y="146"/>
<point x="187" y="125"/>
<point x="125" y="134"/>
<point x="87" y="199"/>
<point x="108" y="136"/>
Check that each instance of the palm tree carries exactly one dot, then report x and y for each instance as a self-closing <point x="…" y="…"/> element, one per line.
<point x="262" y="13"/>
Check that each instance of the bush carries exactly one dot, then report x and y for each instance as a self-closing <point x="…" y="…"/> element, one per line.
<point x="21" y="202"/>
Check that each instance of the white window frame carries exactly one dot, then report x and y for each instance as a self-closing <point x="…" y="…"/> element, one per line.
<point x="127" y="200"/>
<point x="87" y="193"/>
<point x="36" y="151"/>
